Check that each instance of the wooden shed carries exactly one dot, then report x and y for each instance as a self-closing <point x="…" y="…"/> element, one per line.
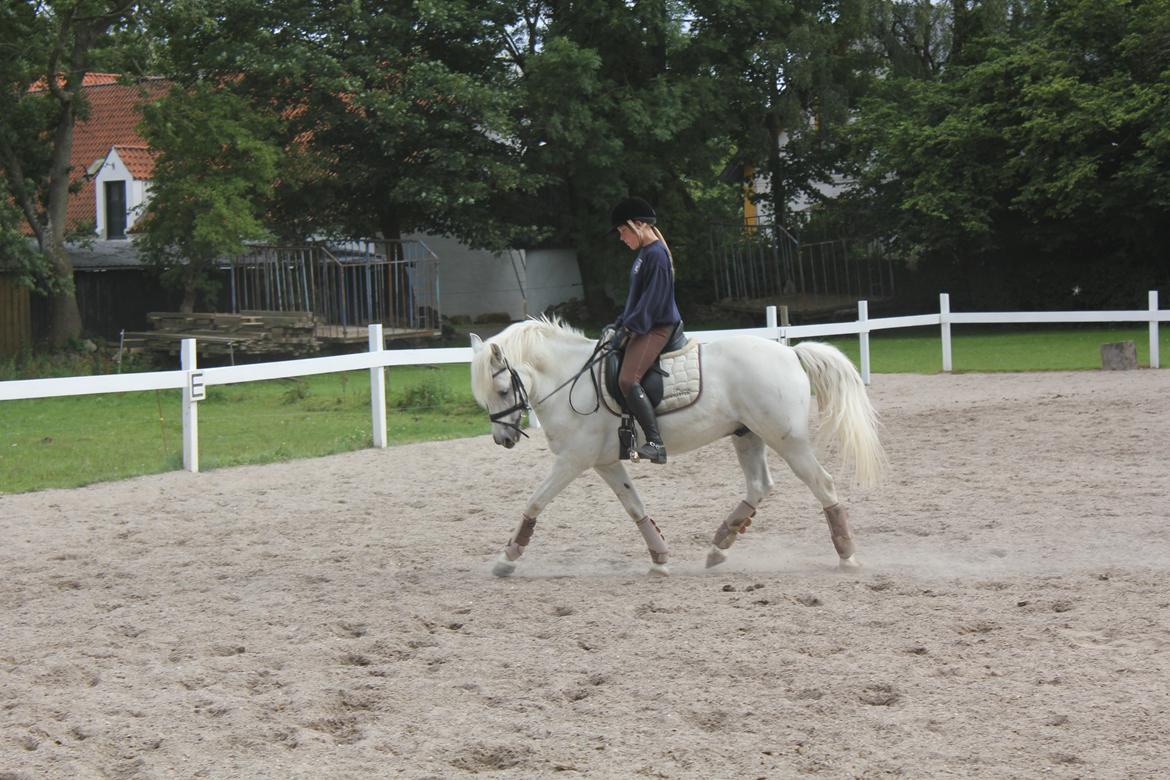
<point x="15" y="315"/>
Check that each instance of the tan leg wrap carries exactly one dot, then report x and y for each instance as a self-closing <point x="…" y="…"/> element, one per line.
<point x="520" y="539"/>
<point x="736" y="523"/>
<point x="655" y="541"/>
<point x="839" y="529"/>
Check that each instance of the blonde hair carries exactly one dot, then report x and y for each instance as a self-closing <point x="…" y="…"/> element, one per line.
<point x="660" y="237"/>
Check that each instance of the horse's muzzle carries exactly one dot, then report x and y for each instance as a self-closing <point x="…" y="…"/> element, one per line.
<point x="506" y="438"/>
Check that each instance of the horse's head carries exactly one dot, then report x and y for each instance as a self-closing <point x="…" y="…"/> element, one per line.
<point x="498" y="389"/>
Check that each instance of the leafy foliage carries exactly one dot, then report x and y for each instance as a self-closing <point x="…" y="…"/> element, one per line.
<point x="1037" y="162"/>
<point x="614" y="103"/>
<point x="789" y="74"/>
<point x="1006" y="148"/>
<point x="216" y="167"/>
<point x="396" y="116"/>
<point x="45" y="53"/>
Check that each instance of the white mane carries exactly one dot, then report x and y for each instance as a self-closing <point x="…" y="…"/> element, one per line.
<point x="520" y="343"/>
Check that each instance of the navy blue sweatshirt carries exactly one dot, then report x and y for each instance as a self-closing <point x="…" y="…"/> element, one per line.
<point x="651" y="298"/>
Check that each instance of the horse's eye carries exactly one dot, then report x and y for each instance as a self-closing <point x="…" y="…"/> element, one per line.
<point x="503" y="393"/>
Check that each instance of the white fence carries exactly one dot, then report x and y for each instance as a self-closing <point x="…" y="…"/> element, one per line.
<point x="194" y="381"/>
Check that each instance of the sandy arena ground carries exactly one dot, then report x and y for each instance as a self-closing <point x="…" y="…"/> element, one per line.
<point x="336" y="618"/>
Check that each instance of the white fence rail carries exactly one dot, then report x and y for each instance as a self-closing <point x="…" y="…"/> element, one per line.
<point x="194" y="381"/>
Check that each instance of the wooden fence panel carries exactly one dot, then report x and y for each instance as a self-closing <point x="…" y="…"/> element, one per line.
<point x="15" y="320"/>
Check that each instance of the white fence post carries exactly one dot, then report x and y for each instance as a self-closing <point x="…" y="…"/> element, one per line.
<point x="1154" y="329"/>
<point x="378" y="388"/>
<point x="190" y="406"/>
<point x="863" y="336"/>
<point x="770" y="321"/>
<point x="944" y="309"/>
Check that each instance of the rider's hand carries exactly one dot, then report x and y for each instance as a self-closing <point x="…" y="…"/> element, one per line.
<point x="619" y="335"/>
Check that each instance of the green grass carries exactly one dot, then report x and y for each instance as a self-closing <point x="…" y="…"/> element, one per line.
<point x="997" y="348"/>
<point x="67" y="442"/>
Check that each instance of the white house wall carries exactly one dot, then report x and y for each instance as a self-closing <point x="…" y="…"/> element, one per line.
<point x="136" y="192"/>
<point x="553" y="278"/>
<point x="515" y="283"/>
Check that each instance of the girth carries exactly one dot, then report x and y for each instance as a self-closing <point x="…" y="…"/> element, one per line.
<point x="652" y="381"/>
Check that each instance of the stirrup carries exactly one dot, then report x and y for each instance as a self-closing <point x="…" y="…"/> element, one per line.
<point x="652" y="451"/>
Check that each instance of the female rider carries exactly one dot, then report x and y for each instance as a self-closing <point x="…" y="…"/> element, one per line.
<point x="650" y="316"/>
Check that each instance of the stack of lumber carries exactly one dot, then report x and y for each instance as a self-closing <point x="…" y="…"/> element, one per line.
<point x="249" y="332"/>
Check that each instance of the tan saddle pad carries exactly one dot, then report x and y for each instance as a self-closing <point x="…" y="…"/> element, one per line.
<point x="682" y="385"/>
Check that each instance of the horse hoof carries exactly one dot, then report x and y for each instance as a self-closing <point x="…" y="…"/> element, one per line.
<point x="659" y="570"/>
<point x="715" y="557"/>
<point x="503" y="567"/>
<point x="849" y="564"/>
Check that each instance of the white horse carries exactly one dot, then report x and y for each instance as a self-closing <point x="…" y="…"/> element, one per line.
<point x="755" y="391"/>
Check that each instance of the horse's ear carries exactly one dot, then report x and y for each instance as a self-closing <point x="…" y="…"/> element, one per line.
<point x="497" y="354"/>
<point x="476" y="344"/>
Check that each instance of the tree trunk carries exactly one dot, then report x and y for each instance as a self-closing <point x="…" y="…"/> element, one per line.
<point x="65" y="324"/>
<point x="597" y="301"/>
<point x="65" y="316"/>
<point x="962" y="25"/>
<point x="79" y="28"/>
<point x="776" y="187"/>
<point x="192" y="273"/>
<point x="187" y="306"/>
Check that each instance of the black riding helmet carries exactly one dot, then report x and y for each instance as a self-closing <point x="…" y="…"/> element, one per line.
<point x="631" y="209"/>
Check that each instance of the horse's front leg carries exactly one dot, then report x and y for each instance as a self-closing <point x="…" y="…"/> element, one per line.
<point x="619" y="481"/>
<point x="564" y="471"/>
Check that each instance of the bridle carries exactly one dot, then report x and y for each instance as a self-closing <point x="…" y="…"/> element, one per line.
<point x="520" y="396"/>
<point x="520" y="392"/>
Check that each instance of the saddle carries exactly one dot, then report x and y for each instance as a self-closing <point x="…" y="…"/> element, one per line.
<point x="674" y="351"/>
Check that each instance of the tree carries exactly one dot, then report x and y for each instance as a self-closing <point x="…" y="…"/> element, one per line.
<point x="789" y="73"/>
<point x="213" y="177"/>
<point x="1037" y="164"/>
<point x="611" y="106"/>
<point x="397" y="115"/>
<point x="45" y="53"/>
<point x="913" y="38"/>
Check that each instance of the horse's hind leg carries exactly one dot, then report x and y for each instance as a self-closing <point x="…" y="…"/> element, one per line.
<point x="803" y="461"/>
<point x="753" y="459"/>
<point x="619" y="482"/>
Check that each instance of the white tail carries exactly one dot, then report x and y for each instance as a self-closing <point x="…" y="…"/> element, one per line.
<point x="847" y="416"/>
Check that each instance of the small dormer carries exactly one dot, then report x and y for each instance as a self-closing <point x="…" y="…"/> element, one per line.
<point x="122" y="187"/>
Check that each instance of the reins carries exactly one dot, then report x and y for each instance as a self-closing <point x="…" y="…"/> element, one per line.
<point x="600" y="350"/>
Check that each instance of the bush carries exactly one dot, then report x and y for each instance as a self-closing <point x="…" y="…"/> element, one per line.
<point x="427" y="394"/>
<point x="82" y="358"/>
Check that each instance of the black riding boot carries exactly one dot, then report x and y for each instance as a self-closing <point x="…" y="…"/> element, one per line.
<point x="653" y="450"/>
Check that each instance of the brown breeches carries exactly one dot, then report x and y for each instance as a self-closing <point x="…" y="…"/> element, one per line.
<point x="641" y="352"/>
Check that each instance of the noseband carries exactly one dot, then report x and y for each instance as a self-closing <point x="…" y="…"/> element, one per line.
<point x="521" y="404"/>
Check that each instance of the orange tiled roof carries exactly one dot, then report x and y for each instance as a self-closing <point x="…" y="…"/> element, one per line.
<point x="89" y="80"/>
<point x="113" y="118"/>
<point x="139" y="160"/>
